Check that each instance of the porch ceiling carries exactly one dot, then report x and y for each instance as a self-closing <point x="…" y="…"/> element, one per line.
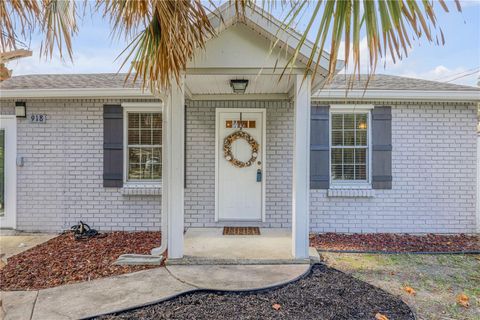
<point x="220" y="84"/>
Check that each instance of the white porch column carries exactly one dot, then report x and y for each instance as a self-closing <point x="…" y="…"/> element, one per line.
<point x="174" y="183"/>
<point x="301" y="168"/>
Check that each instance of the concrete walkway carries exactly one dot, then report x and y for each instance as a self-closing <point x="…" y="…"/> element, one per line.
<point x="87" y="299"/>
<point x="13" y="242"/>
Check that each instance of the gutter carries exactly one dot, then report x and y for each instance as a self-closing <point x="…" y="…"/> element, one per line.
<point x="405" y="95"/>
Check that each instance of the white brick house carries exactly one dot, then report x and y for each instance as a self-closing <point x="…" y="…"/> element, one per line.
<point x="401" y="157"/>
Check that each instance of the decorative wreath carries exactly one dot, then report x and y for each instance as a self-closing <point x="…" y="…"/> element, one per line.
<point x="227" y="148"/>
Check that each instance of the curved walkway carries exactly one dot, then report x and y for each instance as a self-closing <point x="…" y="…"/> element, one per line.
<point x="101" y="296"/>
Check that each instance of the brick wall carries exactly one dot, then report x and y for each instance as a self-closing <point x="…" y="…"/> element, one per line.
<point x="200" y="162"/>
<point x="61" y="181"/>
<point x="434" y="170"/>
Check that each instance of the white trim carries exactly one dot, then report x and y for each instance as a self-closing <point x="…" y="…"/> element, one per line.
<point x="9" y="123"/>
<point x="348" y="109"/>
<point x="243" y="97"/>
<point x="138" y="107"/>
<point x="263" y="111"/>
<point x="352" y="108"/>
<point x="144" y="106"/>
<point x="440" y="95"/>
<point x="75" y="93"/>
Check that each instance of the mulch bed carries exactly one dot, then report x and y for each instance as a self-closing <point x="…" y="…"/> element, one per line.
<point x="63" y="260"/>
<point x="325" y="293"/>
<point x="401" y="243"/>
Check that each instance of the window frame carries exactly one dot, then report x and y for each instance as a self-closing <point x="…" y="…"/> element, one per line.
<point x="351" y="109"/>
<point x="134" y="107"/>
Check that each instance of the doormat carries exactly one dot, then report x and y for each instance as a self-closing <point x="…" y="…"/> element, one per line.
<point x="241" y="231"/>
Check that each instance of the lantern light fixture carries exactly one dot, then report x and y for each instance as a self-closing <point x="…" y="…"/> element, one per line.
<point x="20" y="109"/>
<point x="239" y="85"/>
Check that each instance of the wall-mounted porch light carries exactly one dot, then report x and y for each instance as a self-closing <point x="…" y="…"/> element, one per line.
<point x="239" y="85"/>
<point x="20" y="109"/>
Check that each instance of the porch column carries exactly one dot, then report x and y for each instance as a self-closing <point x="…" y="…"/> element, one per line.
<point x="174" y="185"/>
<point x="301" y="168"/>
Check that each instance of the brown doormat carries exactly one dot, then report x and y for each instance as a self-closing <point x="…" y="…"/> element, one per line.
<point x="241" y="231"/>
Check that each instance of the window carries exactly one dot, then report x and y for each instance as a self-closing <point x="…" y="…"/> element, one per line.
<point x="350" y="151"/>
<point x="143" y="146"/>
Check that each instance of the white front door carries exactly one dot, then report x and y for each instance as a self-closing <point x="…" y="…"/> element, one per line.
<point x="240" y="190"/>
<point x="8" y="154"/>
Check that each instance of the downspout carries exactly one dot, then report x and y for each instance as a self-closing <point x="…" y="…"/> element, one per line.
<point x="164" y="198"/>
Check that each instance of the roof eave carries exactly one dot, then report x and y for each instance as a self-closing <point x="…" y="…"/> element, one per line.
<point x="74" y="93"/>
<point x="401" y="95"/>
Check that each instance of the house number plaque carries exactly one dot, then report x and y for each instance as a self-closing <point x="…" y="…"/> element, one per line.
<point x="38" y="118"/>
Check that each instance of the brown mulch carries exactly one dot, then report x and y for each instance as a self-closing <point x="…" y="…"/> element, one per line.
<point x="325" y="293"/>
<point x="63" y="260"/>
<point x="401" y="243"/>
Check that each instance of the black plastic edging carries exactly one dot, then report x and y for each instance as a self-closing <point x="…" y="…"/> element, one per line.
<point x="396" y="252"/>
<point x="214" y="291"/>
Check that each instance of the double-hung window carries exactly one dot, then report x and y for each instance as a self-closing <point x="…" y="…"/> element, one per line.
<point x="350" y="147"/>
<point x="143" y="145"/>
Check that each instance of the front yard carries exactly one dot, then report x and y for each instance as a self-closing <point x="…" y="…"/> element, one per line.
<point x="436" y="279"/>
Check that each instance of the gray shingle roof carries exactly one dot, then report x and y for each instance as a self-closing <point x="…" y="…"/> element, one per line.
<point x="69" y="81"/>
<point x="116" y="81"/>
<point x="389" y="82"/>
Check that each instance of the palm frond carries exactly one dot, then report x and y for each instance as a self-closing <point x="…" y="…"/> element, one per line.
<point x="17" y="16"/>
<point x="59" y="24"/>
<point x="172" y="30"/>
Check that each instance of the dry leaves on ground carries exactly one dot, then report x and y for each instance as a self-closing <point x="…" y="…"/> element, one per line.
<point x="380" y="316"/>
<point x="463" y="300"/>
<point x="409" y="290"/>
<point x="389" y="242"/>
<point x="276" y="306"/>
<point x="63" y="260"/>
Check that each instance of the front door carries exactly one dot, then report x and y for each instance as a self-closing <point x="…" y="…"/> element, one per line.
<point x="240" y="164"/>
<point x="8" y="147"/>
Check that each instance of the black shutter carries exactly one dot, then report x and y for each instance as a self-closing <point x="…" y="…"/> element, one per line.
<point x="382" y="147"/>
<point x="112" y="146"/>
<point x="319" y="148"/>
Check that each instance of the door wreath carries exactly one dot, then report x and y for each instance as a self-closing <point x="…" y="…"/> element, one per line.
<point x="227" y="148"/>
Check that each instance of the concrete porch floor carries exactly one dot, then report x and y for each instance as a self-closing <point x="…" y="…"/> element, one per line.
<point x="210" y="246"/>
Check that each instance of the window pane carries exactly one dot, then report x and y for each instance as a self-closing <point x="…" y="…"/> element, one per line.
<point x="361" y="121"/>
<point x="134" y="172"/>
<point x="157" y="120"/>
<point x="157" y="137"/>
<point x="156" y="171"/>
<point x="360" y="172"/>
<point x="337" y="121"/>
<point x="361" y="156"/>
<point x="134" y="155"/>
<point x="133" y="136"/>
<point x="146" y="137"/>
<point x="349" y="121"/>
<point x="337" y="138"/>
<point x="361" y="138"/>
<point x="348" y="172"/>
<point x="349" y="138"/>
<point x="337" y="172"/>
<point x="146" y="120"/>
<point x="133" y="120"/>
<point x="348" y="156"/>
<point x="336" y="156"/>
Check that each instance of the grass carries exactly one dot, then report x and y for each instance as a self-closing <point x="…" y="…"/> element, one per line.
<point x="437" y="280"/>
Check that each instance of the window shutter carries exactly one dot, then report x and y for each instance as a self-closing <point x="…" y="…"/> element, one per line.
<point x="319" y="148"/>
<point x="112" y="146"/>
<point x="382" y="147"/>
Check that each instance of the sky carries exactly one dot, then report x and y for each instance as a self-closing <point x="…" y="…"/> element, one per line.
<point x="458" y="61"/>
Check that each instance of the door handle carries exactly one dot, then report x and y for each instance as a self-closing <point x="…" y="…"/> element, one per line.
<point x="259" y="175"/>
